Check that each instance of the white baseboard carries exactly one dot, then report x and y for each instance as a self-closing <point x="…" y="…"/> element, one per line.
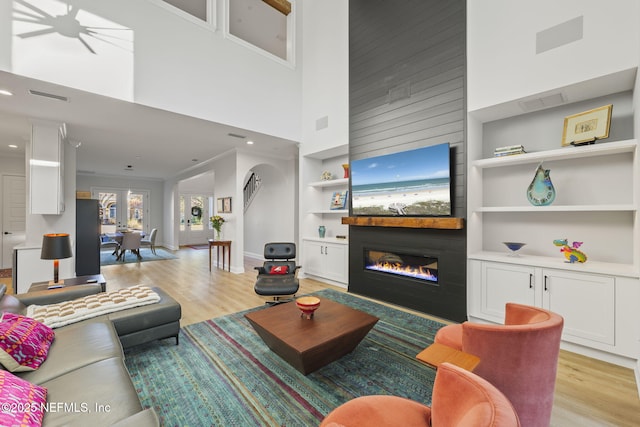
<point x="637" y="372"/>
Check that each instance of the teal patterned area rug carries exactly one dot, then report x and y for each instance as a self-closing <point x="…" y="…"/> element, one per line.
<point x="222" y="374"/>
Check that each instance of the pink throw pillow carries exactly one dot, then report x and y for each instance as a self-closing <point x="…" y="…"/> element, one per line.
<point x="24" y="342"/>
<point x="22" y="403"/>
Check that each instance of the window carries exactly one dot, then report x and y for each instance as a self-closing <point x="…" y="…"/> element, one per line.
<point x="202" y="12"/>
<point x="257" y="24"/>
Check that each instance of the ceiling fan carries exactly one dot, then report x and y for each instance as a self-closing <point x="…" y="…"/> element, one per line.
<point x="282" y="6"/>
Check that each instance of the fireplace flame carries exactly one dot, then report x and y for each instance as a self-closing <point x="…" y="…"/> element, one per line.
<point x="416" y="271"/>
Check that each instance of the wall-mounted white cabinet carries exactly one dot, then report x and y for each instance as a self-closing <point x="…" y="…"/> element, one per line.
<point x="46" y="169"/>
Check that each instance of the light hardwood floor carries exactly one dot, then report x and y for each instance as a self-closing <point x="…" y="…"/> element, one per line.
<point x="588" y="392"/>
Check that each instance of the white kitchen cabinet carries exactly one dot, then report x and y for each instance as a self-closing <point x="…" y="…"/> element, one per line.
<point x="326" y="258"/>
<point x="46" y="171"/>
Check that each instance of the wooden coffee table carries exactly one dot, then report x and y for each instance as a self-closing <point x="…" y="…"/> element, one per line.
<point x="309" y="344"/>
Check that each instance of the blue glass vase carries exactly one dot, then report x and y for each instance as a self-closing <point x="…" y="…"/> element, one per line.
<point x="541" y="191"/>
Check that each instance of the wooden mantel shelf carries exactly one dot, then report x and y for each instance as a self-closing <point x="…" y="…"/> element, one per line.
<point x="445" y="223"/>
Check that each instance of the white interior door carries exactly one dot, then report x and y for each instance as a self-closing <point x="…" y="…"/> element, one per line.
<point x="14" y="211"/>
<point x="122" y="209"/>
<point x="194" y="219"/>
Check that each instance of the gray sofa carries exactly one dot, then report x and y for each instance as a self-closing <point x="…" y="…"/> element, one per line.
<point x="84" y="373"/>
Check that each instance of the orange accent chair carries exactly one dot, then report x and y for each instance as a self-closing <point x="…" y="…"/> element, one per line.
<point x="520" y="357"/>
<point x="460" y="398"/>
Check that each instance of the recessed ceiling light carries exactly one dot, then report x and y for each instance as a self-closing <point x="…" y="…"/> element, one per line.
<point x="249" y="142"/>
<point x="5" y="92"/>
<point x="13" y="146"/>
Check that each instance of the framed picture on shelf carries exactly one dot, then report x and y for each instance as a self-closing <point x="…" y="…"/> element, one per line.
<point x="224" y="204"/>
<point x="587" y="127"/>
<point x="339" y="200"/>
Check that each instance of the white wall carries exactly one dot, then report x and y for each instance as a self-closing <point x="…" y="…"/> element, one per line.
<point x="501" y="46"/>
<point x="14" y="165"/>
<point x="158" y="58"/>
<point x="271" y="217"/>
<point x="325" y="74"/>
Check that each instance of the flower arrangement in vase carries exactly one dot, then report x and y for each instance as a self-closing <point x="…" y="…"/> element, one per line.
<point x="216" y="223"/>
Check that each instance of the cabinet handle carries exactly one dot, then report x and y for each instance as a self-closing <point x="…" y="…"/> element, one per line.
<point x="326" y="252"/>
<point x="530" y="280"/>
<point x="546" y="288"/>
<point x="321" y="251"/>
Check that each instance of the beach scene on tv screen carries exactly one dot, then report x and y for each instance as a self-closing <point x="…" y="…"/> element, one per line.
<point x="413" y="183"/>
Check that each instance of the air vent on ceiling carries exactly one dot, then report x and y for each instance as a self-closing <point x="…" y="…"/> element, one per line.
<point x="48" y="95"/>
<point x="542" y="102"/>
<point x="235" y="135"/>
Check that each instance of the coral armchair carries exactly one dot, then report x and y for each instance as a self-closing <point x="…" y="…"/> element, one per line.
<point x="520" y="357"/>
<point x="460" y="398"/>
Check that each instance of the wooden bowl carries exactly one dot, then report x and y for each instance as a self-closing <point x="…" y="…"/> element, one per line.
<point x="308" y="305"/>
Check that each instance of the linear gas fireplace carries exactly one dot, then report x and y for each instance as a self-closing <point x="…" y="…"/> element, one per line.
<point x="418" y="267"/>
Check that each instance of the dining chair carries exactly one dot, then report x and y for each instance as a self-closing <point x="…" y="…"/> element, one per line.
<point x="150" y="241"/>
<point x="108" y="242"/>
<point x="131" y="242"/>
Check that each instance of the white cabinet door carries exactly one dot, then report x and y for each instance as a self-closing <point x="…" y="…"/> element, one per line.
<point x="313" y="258"/>
<point x="502" y="283"/>
<point x="328" y="260"/>
<point x="586" y="301"/>
<point x="336" y="264"/>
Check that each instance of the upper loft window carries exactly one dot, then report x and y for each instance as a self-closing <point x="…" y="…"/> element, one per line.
<point x="199" y="11"/>
<point x="262" y="24"/>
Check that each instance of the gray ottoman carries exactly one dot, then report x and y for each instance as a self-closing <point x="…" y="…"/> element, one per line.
<point x="139" y="325"/>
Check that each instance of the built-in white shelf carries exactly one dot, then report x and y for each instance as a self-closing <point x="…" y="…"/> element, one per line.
<point x="327" y="240"/>
<point x="595" y="267"/>
<point x="331" y="211"/>
<point x="560" y="208"/>
<point x="599" y="149"/>
<point x="330" y="183"/>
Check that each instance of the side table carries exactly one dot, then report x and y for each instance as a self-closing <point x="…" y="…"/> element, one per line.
<point x="74" y="281"/>
<point x="226" y="246"/>
<point x="438" y="353"/>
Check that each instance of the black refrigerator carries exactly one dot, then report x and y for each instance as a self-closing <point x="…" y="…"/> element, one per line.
<point x="87" y="237"/>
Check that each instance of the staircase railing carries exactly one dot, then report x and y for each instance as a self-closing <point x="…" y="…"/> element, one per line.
<point x="250" y="189"/>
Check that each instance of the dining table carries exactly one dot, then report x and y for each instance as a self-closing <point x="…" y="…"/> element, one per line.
<point x="117" y="237"/>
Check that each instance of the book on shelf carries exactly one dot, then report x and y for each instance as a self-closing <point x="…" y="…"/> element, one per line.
<point x="508" y="150"/>
<point x="339" y="200"/>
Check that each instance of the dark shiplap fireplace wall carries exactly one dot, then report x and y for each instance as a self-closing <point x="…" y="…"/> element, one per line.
<point x="407" y="77"/>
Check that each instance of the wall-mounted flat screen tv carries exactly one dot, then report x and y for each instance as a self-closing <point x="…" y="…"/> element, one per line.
<point x="409" y="183"/>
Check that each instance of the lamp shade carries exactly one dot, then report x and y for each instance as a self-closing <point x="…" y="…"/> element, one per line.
<point x="56" y="246"/>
